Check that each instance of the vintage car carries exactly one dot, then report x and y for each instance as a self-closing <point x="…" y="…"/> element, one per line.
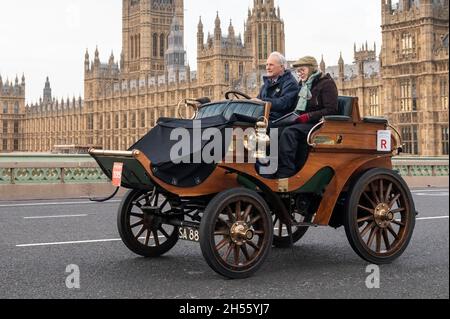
<point x="238" y="214"/>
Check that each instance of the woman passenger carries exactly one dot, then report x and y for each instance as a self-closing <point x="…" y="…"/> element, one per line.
<point x="318" y="97"/>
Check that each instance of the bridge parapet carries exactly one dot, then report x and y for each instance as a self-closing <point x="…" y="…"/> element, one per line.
<point x="82" y="169"/>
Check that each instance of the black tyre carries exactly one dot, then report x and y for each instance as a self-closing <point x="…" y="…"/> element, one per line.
<point x="380" y="216"/>
<point x="236" y="233"/>
<point x="143" y="233"/>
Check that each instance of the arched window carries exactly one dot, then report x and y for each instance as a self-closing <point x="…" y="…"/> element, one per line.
<point x="227" y="72"/>
<point x="265" y="45"/>
<point x="260" y="46"/>
<point x="139" y="46"/>
<point x="155" y="44"/>
<point x="162" y="44"/>
<point x="136" y="46"/>
<point x="241" y="69"/>
<point x="208" y="72"/>
<point x="132" y="47"/>
<point x="16" y="108"/>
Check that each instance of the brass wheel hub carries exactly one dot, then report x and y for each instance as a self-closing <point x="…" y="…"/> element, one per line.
<point x="241" y="233"/>
<point x="383" y="215"/>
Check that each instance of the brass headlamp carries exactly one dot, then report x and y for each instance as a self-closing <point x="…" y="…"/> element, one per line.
<point x="258" y="142"/>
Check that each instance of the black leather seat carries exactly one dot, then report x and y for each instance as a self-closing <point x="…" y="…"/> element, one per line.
<point x="345" y="110"/>
<point x="246" y="109"/>
<point x="345" y="106"/>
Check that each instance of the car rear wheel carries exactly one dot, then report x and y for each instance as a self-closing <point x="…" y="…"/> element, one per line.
<point x="380" y="216"/>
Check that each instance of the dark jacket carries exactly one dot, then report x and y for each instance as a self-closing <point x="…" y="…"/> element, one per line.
<point x="282" y="94"/>
<point x="324" y="99"/>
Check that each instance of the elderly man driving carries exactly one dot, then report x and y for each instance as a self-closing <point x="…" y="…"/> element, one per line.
<point x="280" y="87"/>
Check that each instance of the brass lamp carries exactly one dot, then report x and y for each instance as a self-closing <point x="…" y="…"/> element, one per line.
<point x="258" y="142"/>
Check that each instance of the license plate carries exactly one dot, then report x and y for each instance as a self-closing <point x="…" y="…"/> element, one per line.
<point x="189" y="234"/>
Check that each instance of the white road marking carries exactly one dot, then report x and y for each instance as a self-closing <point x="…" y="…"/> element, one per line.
<point x="430" y="190"/>
<point x="56" y="216"/>
<point x="70" y="243"/>
<point x="54" y="204"/>
<point x="432" y="218"/>
<point x="432" y="194"/>
<point x="76" y="242"/>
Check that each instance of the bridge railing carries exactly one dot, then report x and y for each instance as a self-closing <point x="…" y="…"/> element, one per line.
<point x="82" y="169"/>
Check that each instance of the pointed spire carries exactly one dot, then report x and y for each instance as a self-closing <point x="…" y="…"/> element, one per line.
<point x="231" y="30"/>
<point x="322" y="65"/>
<point x="111" y="58"/>
<point x="200" y="24"/>
<point x="341" y="68"/>
<point x="86" y="55"/>
<point x="16" y="81"/>
<point x="217" y="29"/>
<point x="97" y="56"/>
<point x="217" y="21"/>
<point x="23" y="78"/>
<point x="1" y="81"/>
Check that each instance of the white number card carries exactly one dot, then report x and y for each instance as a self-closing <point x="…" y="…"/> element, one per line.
<point x="384" y="141"/>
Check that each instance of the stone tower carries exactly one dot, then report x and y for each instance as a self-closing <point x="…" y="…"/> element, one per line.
<point x="47" y="96"/>
<point x="175" y="56"/>
<point x="415" y="71"/>
<point x="146" y="28"/>
<point x="223" y="61"/>
<point x="12" y="111"/>
<point x="264" y="32"/>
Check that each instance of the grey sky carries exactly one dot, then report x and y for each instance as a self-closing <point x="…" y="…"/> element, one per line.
<point x="49" y="37"/>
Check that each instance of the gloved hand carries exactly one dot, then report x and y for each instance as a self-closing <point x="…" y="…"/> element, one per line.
<point x="303" y="119"/>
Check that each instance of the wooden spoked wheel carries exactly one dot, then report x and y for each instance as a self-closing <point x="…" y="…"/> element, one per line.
<point x="142" y="231"/>
<point x="236" y="233"/>
<point x="380" y="217"/>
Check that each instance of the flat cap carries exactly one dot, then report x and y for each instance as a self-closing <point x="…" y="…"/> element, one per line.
<point x="306" y="61"/>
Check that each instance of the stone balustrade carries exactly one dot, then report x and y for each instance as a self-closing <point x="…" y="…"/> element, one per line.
<point x="49" y="169"/>
<point x="29" y="169"/>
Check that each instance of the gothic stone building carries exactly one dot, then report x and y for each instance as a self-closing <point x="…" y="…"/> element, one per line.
<point x="408" y="83"/>
<point x="124" y="99"/>
<point x="12" y="113"/>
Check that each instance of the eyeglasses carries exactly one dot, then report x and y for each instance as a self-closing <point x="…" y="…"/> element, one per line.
<point x="302" y="70"/>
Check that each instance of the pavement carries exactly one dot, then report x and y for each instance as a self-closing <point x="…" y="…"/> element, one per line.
<point x="40" y="241"/>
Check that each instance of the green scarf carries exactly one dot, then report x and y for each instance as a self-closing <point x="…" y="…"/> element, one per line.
<point x="305" y="93"/>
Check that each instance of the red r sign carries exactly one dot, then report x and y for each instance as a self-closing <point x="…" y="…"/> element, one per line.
<point x="384" y="141"/>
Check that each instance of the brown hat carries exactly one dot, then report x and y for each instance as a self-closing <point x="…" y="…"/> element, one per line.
<point x="306" y="61"/>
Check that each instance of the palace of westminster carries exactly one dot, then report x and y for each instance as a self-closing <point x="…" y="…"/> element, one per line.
<point x="406" y="82"/>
